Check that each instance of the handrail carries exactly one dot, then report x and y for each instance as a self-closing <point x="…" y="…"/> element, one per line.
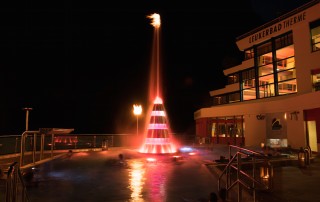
<point x="42" y="134"/>
<point x="235" y="163"/>
<point x="14" y="179"/>
<point x="308" y="151"/>
<point x="23" y="146"/>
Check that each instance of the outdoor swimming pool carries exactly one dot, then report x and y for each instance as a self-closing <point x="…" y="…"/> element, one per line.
<point x="98" y="176"/>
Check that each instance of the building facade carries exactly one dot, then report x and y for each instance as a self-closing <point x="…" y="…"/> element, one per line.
<point x="273" y="96"/>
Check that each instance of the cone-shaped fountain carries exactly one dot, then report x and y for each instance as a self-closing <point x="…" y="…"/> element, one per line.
<point x="158" y="139"/>
<point x="157" y="135"/>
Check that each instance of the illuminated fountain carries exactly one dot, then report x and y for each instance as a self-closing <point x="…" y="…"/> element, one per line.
<point x="157" y="134"/>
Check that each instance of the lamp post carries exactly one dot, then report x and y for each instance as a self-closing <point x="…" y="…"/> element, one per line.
<point x="137" y="110"/>
<point x="27" y="109"/>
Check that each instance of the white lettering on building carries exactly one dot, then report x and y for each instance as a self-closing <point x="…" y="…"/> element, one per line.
<point x="286" y="24"/>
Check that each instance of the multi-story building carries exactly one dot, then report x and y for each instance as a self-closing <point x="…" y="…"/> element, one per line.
<point x="273" y="96"/>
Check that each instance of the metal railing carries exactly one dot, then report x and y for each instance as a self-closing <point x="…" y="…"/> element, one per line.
<point x="41" y="135"/>
<point x="33" y="146"/>
<point x="241" y="171"/>
<point x="15" y="188"/>
<point x="9" y="144"/>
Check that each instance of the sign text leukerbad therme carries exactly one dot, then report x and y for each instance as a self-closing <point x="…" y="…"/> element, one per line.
<point x="285" y="24"/>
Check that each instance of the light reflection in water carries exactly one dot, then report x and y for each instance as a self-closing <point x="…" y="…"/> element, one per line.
<point x="136" y="179"/>
<point x="147" y="180"/>
<point x="156" y="184"/>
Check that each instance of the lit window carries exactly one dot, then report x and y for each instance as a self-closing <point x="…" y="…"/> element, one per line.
<point x="249" y="54"/>
<point x="315" y="35"/>
<point x="316" y="80"/>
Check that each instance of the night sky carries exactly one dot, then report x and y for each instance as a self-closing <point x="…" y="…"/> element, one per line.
<point x="83" y="64"/>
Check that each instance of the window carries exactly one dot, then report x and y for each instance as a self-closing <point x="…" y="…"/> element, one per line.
<point x="234" y="97"/>
<point x="248" y="84"/>
<point x="264" y="48"/>
<point x="233" y="78"/>
<point x="265" y="71"/>
<point x="266" y="75"/>
<point x="316" y="79"/>
<point x="286" y="69"/>
<point x="315" y="35"/>
<point x="283" y="81"/>
<point x="284" y="40"/>
<point x="248" y="74"/>
<point x="223" y="127"/>
<point x="226" y="98"/>
<point x="220" y="100"/>
<point x="249" y="54"/>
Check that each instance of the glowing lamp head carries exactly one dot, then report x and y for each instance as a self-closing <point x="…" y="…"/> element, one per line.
<point x="155" y="20"/>
<point x="137" y="109"/>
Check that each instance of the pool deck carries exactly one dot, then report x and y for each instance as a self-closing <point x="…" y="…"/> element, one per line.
<point x="291" y="182"/>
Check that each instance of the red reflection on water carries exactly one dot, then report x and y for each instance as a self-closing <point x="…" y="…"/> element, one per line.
<point x="157" y="140"/>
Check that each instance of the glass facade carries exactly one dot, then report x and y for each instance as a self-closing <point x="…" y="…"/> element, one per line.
<point x="273" y="74"/>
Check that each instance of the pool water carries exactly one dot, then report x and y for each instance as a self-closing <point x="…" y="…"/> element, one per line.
<point x="102" y="176"/>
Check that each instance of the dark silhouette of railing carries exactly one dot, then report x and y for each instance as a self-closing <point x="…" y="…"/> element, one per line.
<point x="15" y="188"/>
<point x="241" y="172"/>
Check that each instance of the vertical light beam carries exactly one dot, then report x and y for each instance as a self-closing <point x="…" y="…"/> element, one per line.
<point x="156" y="22"/>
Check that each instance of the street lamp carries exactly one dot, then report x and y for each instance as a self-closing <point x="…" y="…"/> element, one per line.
<point x="137" y="110"/>
<point x="27" y="109"/>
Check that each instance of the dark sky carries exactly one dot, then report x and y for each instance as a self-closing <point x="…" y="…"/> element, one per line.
<point x="83" y="64"/>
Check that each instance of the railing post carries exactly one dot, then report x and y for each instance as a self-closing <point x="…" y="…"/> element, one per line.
<point x="34" y="149"/>
<point x="15" y="183"/>
<point x="228" y="169"/>
<point x="23" y="143"/>
<point x="16" y="147"/>
<point x="238" y="176"/>
<point x="307" y="150"/>
<point x="253" y="176"/>
<point x="42" y="146"/>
